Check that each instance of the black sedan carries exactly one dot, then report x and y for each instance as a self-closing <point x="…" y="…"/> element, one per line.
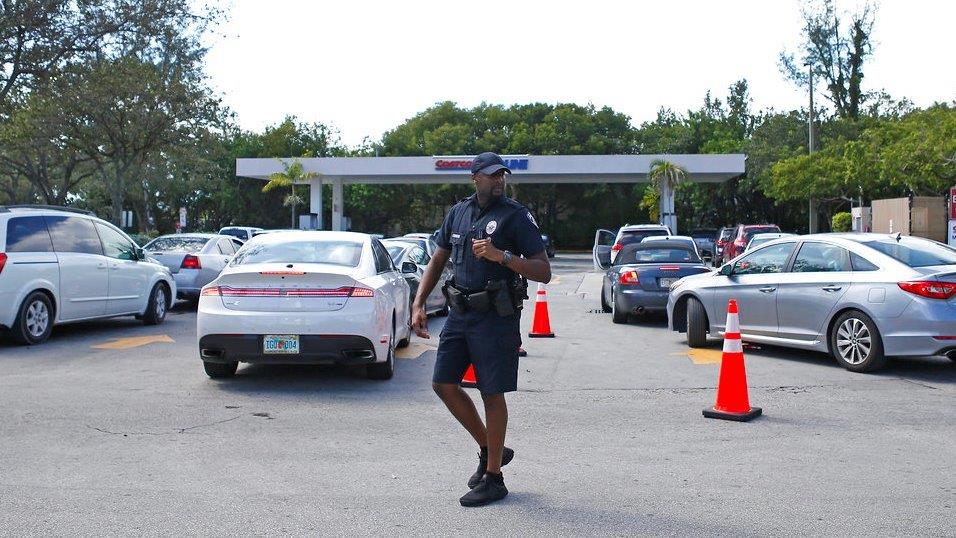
<point x="642" y="274"/>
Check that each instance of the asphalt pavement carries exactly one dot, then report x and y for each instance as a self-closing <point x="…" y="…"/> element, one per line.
<point x="112" y="428"/>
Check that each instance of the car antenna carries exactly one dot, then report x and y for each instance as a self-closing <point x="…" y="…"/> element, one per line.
<point x="899" y="235"/>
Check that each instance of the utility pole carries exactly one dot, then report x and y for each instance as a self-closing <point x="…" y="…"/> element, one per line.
<point x="812" y="207"/>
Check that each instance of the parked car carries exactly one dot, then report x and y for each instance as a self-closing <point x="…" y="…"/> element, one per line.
<point x="758" y="239"/>
<point x="193" y="259"/>
<point x="705" y="239"/>
<point x="860" y="297"/>
<point x="742" y="236"/>
<point x="686" y="239"/>
<point x="642" y="274"/>
<point x="59" y="265"/>
<point x="307" y="297"/>
<point x="549" y="248"/>
<point x="426" y="241"/>
<point x="403" y="251"/>
<point x="243" y="233"/>
<point x="607" y="243"/>
<point x="724" y="238"/>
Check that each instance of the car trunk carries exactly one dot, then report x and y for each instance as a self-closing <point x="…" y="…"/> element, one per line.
<point x="942" y="273"/>
<point x="659" y="277"/>
<point x="172" y="259"/>
<point x="277" y="287"/>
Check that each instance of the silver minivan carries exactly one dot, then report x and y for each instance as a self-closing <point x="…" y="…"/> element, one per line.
<point x="59" y="265"/>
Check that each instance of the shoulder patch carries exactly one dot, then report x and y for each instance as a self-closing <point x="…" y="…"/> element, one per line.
<point x="531" y="218"/>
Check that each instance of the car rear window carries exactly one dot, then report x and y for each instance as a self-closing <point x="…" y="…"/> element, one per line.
<point x="177" y="244"/>
<point x="395" y="252"/>
<point x="726" y="234"/>
<point x="637" y="236"/>
<point x="657" y="255"/>
<point x="750" y="232"/>
<point x="28" y="234"/>
<point x="235" y="232"/>
<point x="703" y="234"/>
<point x="915" y="252"/>
<point x="345" y="253"/>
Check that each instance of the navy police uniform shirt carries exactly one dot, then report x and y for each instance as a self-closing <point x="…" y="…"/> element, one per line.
<point x="507" y="223"/>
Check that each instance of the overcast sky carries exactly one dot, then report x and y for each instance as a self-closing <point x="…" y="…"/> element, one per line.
<point x="365" y="67"/>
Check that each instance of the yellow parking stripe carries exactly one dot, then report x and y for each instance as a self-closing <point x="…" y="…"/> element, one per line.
<point x="702" y="356"/>
<point x="413" y="351"/>
<point x="134" y="341"/>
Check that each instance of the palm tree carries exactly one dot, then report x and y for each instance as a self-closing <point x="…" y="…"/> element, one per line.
<point x="293" y="173"/>
<point x="666" y="176"/>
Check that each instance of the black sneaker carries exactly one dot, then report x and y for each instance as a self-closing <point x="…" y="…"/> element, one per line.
<point x="506" y="456"/>
<point x="490" y="488"/>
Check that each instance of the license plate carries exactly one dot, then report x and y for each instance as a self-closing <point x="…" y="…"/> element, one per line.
<point x="666" y="282"/>
<point x="284" y="344"/>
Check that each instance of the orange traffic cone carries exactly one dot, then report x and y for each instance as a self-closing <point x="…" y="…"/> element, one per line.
<point x="469" y="381"/>
<point x="541" y="325"/>
<point x="733" y="402"/>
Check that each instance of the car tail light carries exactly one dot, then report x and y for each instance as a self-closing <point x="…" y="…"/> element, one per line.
<point x="3" y="260"/>
<point x="213" y="291"/>
<point x="629" y="277"/>
<point x="617" y="247"/>
<point x="190" y="262"/>
<point x="929" y="288"/>
<point x="362" y="292"/>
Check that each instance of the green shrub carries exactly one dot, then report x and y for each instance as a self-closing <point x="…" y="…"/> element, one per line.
<point x="842" y="222"/>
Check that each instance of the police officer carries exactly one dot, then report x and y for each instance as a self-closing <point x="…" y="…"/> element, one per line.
<point x="492" y="241"/>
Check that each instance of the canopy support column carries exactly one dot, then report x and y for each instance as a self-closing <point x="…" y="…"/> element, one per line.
<point x="338" y="201"/>
<point x="315" y="200"/>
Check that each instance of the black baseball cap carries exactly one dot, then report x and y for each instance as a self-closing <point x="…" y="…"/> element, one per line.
<point x="488" y="163"/>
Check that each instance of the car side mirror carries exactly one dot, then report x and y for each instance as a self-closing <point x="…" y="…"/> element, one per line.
<point x="727" y="270"/>
<point x="409" y="268"/>
<point x="140" y="253"/>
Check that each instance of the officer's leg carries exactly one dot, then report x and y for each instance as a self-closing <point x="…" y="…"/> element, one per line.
<point x="463" y="409"/>
<point x="496" y="413"/>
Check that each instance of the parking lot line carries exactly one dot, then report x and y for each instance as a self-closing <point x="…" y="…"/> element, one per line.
<point x="414" y="350"/>
<point x="702" y="356"/>
<point x="134" y="341"/>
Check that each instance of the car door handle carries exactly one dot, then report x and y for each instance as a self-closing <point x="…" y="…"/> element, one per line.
<point x="101" y="266"/>
<point x="832" y="288"/>
<point x="767" y="289"/>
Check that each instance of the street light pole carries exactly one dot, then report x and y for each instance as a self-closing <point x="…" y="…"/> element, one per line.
<point x="812" y="225"/>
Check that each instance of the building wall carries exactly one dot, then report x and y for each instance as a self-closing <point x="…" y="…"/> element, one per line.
<point x="891" y="216"/>
<point x="928" y="216"/>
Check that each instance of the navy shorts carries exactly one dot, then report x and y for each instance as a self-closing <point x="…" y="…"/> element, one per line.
<point x="485" y="339"/>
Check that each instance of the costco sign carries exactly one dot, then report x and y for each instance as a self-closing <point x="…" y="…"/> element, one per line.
<point x="459" y="164"/>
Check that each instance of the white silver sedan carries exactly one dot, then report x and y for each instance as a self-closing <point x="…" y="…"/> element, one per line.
<point x="306" y="298"/>
<point x="193" y="259"/>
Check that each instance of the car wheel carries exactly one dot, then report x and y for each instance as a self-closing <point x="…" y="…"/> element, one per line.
<point x="696" y="323"/>
<point x="157" y="306"/>
<point x="617" y="315"/>
<point x="220" y="370"/>
<point x="604" y="306"/>
<point x="384" y="370"/>
<point x="856" y="344"/>
<point x="34" y="321"/>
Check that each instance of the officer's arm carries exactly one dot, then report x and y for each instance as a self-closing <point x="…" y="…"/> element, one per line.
<point x="536" y="267"/>
<point x="430" y="278"/>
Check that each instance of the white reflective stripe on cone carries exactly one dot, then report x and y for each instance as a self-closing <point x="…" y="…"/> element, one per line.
<point x="733" y="345"/>
<point x="733" y="323"/>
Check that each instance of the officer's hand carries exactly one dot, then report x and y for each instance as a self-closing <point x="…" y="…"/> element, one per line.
<point x="420" y="322"/>
<point x="482" y="248"/>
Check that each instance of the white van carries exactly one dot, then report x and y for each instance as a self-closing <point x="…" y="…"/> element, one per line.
<point x="59" y="265"/>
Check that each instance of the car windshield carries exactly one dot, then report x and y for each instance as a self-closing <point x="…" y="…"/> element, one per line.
<point x="703" y="234"/>
<point x="914" y="252"/>
<point x="637" y="236"/>
<point x="750" y="232"/>
<point x="657" y="255"/>
<point x="346" y="253"/>
<point x="726" y="234"/>
<point x="176" y="244"/>
<point x="235" y="232"/>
